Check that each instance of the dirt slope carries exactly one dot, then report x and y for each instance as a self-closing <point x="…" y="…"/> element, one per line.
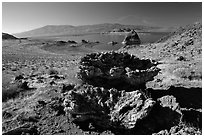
<point x="180" y="57"/>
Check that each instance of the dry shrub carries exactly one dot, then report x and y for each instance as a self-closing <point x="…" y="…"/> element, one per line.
<point x="53" y="71"/>
<point x="188" y="73"/>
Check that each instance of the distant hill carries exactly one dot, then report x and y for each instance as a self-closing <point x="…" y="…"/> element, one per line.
<point x="8" y="36"/>
<point x="55" y="30"/>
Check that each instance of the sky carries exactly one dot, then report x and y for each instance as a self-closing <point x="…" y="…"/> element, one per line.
<point x="21" y="16"/>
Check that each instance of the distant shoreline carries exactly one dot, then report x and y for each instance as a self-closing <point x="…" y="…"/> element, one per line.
<point x="142" y="33"/>
<point x="97" y="33"/>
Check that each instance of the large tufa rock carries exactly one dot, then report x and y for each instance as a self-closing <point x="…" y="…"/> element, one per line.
<point x="121" y="110"/>
<point x="131" y="108"/>
<point x="169" y="102"/>
<point x="171" y="109"/>
<point x="131" y="39"/>
<point x="116" y="69"/>
<point x="150" y="116"/>
<point x="135" y="110"/>
<point x="107" y="108"/>
<point x="91" y="103"/>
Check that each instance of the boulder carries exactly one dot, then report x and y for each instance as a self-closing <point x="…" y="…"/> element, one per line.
<point x="165" y="114"/>
<point x="112" y="43"/>
<point x="181" y="58"/>
<point x="136" y="110"/>
<point x="61" y="43"/>
<point x="91" y="104"/>
<point x="67" y="87"/>
<point x="116" y="69"/>
<point x="73" y="45"/>
<point x="19" y="77"/>
<point x="107" y="108"/>
<point x="112" y="108"/>
<point x="169" y="102"/>
<point x="152" y="116"/>
<point x="71" y="42"/>
<point x="84" y="41"/>
<point x="131" y="108"/>
<point x="132" y="38"/>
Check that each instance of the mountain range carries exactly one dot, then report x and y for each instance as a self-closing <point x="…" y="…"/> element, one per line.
<point x="57" y="30"/>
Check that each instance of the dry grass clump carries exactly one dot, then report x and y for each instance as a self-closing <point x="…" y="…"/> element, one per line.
<point x="188" y="73"/>
<point x="14" y="90"/>
<point x="52" y="72"/>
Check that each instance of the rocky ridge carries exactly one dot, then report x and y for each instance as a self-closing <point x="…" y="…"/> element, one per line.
<point x="8" y="36"/>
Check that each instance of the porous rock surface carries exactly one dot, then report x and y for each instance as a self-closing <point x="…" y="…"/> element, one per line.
<point x="119" y="109"/>
<point x="109" y="107"/>
<point x="90" y="102"/>
<point x="131" y="108"/>
<point x="116" y="69"/>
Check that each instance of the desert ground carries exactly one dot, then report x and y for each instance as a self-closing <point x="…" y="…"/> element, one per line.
<point x="39" y="76"/>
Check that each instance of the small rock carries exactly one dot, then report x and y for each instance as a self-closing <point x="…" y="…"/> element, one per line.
<point x="19" y="77"/>
<point x="67" y="87"/>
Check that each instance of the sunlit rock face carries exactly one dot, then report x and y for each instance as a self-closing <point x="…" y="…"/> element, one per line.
<point x="116" y="69"/>
<point x="112" y="108"/>
<point x="91" y="103"/>
<point x="131" y="39"/>
<point x="109" y="107"/>
<point x="131" y="108"/>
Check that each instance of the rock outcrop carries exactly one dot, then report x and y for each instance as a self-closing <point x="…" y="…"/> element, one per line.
<point x="131" y="108"/>
<point x="71" y="42"/>
<point x="8" y="36"/>
<point x="131" y="39"/>
<point x="91" y="104"/>
<point x="107" y="108"/>
<point x="84" y="41"/>
<point x="121" y="110"/>
<point x="113" y="43"/>
<point x="138" y="112"/>
<point x="61" y="43"/>
<point x="170" y="108"/>
<point x="116" y="69"/>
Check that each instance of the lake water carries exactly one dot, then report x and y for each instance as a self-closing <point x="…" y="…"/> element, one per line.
<point x="105" y="38"/>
